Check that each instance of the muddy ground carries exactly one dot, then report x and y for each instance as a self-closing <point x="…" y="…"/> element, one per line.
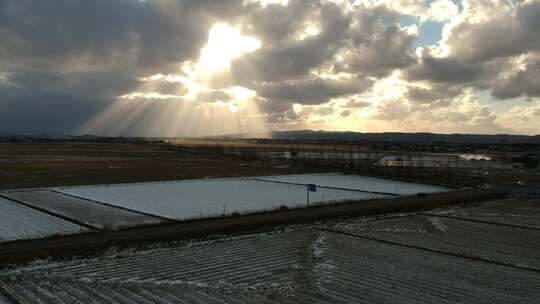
<point x="32" y="165"/>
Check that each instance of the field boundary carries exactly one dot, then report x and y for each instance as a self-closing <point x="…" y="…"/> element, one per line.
<point x="460" y="218"/>
<point x="10" y="294"/>
<point x="327" y="187"/>
<point x="438" y="251"/>
<point x="162" y="218"/>
<point x="24" y="250"/>
<point x="50" y="213"/>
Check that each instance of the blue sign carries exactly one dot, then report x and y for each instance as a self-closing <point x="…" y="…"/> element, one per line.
<point x="312" y="187"/>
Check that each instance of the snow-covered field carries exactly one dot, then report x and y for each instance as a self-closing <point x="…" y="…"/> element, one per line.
<point x="19" y="222"/>
<point x="213" y="197"/>
<point x="94" y="215"/>
<point x="357" y="182"/>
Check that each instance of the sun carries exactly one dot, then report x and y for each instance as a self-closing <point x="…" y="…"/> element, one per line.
<point x="225" y="43"/>
<point x="199" y="105"/>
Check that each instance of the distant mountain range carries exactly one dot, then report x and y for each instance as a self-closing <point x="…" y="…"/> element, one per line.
<point x="310" y="135"/>
<point x="405" y="137"/>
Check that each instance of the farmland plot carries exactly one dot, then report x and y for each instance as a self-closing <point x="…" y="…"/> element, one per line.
<point x="365" y="271"/>
<point x="206" y="198"/>
<point x="519" y="212"/>
<point x="356" y="182"/>
<point x="20" y="222"/>
<point x="93" y="214"/>
<point x="3" y="298"/>
<point x="306" y="266"/>
<point x="250" y="261"/>
<point x="487" y="241"/>
<point x="68" y="292"/>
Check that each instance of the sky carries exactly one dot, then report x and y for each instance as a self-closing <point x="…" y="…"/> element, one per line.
<point x="204" y="67"/>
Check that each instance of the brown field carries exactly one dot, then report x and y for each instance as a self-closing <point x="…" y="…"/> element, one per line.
<point x="32" y="165"/>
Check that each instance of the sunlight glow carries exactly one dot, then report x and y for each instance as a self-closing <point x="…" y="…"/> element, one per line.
<point x="225" y="43"/>
<point x="310" y="31"/>
<point x="189" y="103"/>
<point x="242" y="94"/>
<point x="268" y="2"/>
<point x="147" y="95"/>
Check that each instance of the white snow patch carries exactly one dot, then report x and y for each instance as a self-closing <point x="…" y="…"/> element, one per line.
<point x="322" y="267"/>
<point x="4" y="299"/>
<point x="206" y="198"/>
<point x="438" y="224"/>
<point x="391" y="230"/>
<point x="318" y="246"/>
<point x="19" y="222"/>
<point x="357" y="182"/>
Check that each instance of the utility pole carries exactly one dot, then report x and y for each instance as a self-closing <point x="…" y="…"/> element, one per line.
<point x="307" y="188"/>
<point x="310" y="188"/>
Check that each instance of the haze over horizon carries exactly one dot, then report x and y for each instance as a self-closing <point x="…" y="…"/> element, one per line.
<point x="202" y="67"/>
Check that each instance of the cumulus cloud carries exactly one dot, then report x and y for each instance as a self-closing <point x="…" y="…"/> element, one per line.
<point x="523" y="118"/>
<point x="521" y="79"/>
<point x="378" y="44"/>
<point x="84" y="54"/>
<point x="442" y="10"/>
<point x="489" y="29"/>
<point x="322" y="64"/>
<point x="127" y="33"/>
<point x="392" y="110"/>
<point x="435" y="10"/>
<point x="444" y="70"/>
<point x="490" y="45"/>
<point x="356" y="104"/>
<point x="409" y="7"/>
<point x="312" y="91"/>
<point x="463" y="113"/>
<point x="434" y="97"/>
<point x="297" y="57"/>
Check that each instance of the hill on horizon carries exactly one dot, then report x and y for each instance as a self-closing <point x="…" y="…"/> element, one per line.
<point x="397" y="137"/>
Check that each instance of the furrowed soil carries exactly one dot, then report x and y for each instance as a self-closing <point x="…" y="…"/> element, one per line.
<point x="33" y="165"/>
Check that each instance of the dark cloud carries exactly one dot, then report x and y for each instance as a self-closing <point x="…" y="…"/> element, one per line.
<point x="66" y="29"/>
<point x="35" y="112"/>
<point x="345" y="113"/>
<point x="87" y="53"/>
<point x="91" y="83"/>
<point x="277" y="24"/>
<point x="483" y="46"/>
<point x="505" y="30"/>
<point x="324" y="111"/>
<point x="213" y="96"/>
<point x="357" y="104"/>
<point x="521" y="82"/>
<point x="392" y="110"/>
<point x="311" y="91"/>
<point x="164" y="88"/>
<point x="444" y="70"/>
<point x="130" y="33"/>
<point x="276" y="112"/>
<point x="295" y="59"/>
<point x="64" y="61"/>
<point x="387" y="50"/>
<point x="378" y="44"/>
<point x="441" y="94"/>
<point x="73" y="58"/>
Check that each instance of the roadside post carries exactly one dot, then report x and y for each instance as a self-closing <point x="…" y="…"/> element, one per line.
<point x="310" y="188"/>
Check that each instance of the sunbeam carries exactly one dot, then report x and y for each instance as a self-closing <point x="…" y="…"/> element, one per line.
<point x="225" y="43"/>
<point x="188" y="103"/>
